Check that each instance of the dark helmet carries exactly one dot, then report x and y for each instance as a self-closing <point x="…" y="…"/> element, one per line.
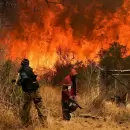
<point x="25" y="62"/>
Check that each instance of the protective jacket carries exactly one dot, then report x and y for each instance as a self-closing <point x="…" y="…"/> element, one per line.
<point x="27" y="79"/>
<point x="67" y="90"/>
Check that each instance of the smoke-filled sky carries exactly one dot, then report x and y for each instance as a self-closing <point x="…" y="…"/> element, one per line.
<point x="82" y="13"/>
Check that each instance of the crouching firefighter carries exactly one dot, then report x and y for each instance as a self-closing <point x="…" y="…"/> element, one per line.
<point x="69" y="104"/>
<point x="27" y="79"/>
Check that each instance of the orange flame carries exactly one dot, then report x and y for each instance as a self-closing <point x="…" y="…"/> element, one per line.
<point x="38" y="38"/>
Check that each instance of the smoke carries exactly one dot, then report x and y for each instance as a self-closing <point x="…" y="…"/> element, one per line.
<point x="83" y="13"/>
<point x="110" y="5"/>
<point x="8" y="12"/>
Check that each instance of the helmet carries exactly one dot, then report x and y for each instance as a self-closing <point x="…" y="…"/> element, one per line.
<point x="25" y="62"/>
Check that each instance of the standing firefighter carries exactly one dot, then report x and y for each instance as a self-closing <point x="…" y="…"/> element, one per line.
<point x="68" y="97"/>
<point x="27" y="79"/>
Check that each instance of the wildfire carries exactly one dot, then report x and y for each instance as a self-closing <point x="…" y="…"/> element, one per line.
<point x="45" y="35"/>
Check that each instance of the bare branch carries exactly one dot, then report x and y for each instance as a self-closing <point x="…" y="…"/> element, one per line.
<point x="47" y="2"/>
<point x="53" y="2"/>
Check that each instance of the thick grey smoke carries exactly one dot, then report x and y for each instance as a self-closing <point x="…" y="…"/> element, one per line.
<point x="82" y="21"/>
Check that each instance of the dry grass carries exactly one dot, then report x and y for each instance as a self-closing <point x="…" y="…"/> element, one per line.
<point x="115" y="118"/>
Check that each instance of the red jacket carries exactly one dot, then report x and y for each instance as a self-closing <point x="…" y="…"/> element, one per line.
<point x="67" y="90"/>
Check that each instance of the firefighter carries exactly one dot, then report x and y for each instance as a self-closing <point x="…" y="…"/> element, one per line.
<point x="27" y="79"/>
<point x="68" y="96"/>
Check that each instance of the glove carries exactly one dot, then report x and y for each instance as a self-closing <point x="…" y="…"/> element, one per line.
<point x="72" y="98"/>
<point x="13" y="81"/>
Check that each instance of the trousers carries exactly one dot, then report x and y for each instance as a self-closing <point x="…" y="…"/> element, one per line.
<point x="35" y="97"/>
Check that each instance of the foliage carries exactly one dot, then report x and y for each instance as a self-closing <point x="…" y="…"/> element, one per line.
<point x="113" y="58"/>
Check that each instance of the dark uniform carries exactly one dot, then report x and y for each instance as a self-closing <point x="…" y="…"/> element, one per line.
<point x="74" y="85"/>
<point x="74" y="82"/>
<point x="27" y="79"/>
